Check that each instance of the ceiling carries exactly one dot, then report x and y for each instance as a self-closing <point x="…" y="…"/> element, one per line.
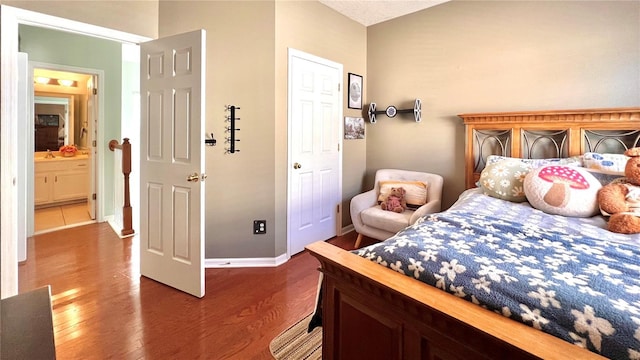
<point x="370" y="12"/>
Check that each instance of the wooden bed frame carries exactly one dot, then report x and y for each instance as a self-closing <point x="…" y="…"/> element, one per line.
<point x="372" y="312"/>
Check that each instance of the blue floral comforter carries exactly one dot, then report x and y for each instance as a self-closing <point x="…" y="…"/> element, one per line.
<point x="569" y="277"/>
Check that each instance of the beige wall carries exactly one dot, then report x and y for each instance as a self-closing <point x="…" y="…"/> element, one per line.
<point x="240" y="63"/>
<point x="483" y="56"/>
<point x="247" y="46"/>
<point x="316" y="29"/>
<point x="132" y="16"/>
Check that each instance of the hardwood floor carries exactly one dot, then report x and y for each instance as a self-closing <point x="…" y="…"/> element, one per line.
<point x="103" y="308"/>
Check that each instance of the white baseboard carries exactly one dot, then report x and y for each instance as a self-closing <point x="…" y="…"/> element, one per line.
<point x="245" y="262"/>
<point x="239" y="262"/>
<point x="256" y="262"/>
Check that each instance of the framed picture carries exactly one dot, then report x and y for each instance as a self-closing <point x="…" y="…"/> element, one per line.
<point x="353" y="128"/>
<point x="355" y="91"/>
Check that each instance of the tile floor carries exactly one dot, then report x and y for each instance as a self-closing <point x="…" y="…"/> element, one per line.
<point x="60" y="216"/>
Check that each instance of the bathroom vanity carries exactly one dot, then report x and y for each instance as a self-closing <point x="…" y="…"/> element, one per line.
<point x="60" y="179"/>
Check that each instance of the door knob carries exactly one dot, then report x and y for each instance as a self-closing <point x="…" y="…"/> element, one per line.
<point x="193" y="177"/>
<point x="297" y="166"/>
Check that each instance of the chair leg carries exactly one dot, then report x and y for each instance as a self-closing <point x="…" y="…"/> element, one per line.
<point x="358" y="241"/>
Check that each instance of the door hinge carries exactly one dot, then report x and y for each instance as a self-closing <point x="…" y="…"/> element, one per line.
<point x="94" y="143"/>
<point x="338" y="146"/>
<point x="95" y="91"/>
<point x="338" y="209"/>
<point x="94" y="197"/>
<point x="338" y="87"/>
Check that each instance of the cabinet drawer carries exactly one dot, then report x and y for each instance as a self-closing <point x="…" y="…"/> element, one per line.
<point x="78" y="165"/>
<point x="61" y="165"/>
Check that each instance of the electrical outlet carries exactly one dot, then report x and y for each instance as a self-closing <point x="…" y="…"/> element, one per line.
<point x="259" y="226"/>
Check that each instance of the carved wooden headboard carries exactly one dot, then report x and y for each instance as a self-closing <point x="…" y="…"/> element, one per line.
<point x="547" y="134"/>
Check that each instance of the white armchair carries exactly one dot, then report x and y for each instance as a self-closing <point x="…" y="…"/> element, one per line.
<point x="370" y="220"/>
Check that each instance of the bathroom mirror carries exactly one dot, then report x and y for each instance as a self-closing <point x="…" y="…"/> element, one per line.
<point x="53" y="121"/>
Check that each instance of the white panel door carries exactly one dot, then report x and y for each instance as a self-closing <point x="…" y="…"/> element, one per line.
<point x="172" y="161"/>
<point x="315" y="112"/>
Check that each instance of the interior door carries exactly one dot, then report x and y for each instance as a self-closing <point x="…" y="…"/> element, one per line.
<point x="315" y="112"/>
<point x="88" y="133"/>
<point x="172" y="161"/>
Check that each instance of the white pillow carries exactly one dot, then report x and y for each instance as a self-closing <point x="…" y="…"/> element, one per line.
<point x="563" y="190"/>
<point x="416" y="191"/>
<point x="606" y="163"/>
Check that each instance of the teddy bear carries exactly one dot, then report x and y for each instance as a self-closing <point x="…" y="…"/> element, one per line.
<point x="394" y="200"/>
<point x="621" y="198"/>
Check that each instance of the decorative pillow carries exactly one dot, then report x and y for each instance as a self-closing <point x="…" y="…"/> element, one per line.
<point x="415" y="197"/>
<point x="607" y="163"/>
<point x="536" y="163"/>
<point x="563" y="190"/>
<point x="504" y="179"/>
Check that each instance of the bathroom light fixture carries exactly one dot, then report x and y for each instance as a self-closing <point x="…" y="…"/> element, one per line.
<point x="42" y="80"/>
<point x="66" y="82"/>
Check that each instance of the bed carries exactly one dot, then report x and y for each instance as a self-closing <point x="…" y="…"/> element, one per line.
<point x="372" y="310"/>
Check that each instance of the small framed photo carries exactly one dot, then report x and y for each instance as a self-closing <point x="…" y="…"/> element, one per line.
<point x="355" y="91"/>
<point x="353" y="128"/>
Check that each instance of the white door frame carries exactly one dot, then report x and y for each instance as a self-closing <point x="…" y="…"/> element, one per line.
<point x="97" y="157"/>
<point x="11" y="17"/>
<point x="339" y="119"/>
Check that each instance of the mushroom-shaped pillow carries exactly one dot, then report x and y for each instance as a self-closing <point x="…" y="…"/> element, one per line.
<point x="563" y="190"/>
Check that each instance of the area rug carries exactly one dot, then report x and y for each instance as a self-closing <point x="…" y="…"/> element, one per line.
<point x="296" y="344"/>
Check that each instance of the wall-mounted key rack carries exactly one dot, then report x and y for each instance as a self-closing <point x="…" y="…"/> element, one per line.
<point x="231" y="129"/>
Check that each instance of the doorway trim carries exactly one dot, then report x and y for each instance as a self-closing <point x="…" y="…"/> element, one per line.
<point x="97" y="153"/>
<point x="11" y="17"/>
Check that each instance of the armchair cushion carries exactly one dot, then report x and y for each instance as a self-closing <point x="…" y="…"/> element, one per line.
<point x="416" y="191"/>
<point x="386" y="220"/>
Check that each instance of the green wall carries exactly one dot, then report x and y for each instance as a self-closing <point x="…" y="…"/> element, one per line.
<point x="57" y="47"/>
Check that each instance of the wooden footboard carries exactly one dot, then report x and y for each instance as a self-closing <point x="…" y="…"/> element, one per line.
<point x="372" y="312"/>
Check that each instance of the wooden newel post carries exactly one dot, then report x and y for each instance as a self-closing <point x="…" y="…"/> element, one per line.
<point x="126" y="170"/>
<point x="127" y="213"/>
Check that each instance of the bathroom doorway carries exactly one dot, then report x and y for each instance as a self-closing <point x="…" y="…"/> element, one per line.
<point x="64" y="103"/>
